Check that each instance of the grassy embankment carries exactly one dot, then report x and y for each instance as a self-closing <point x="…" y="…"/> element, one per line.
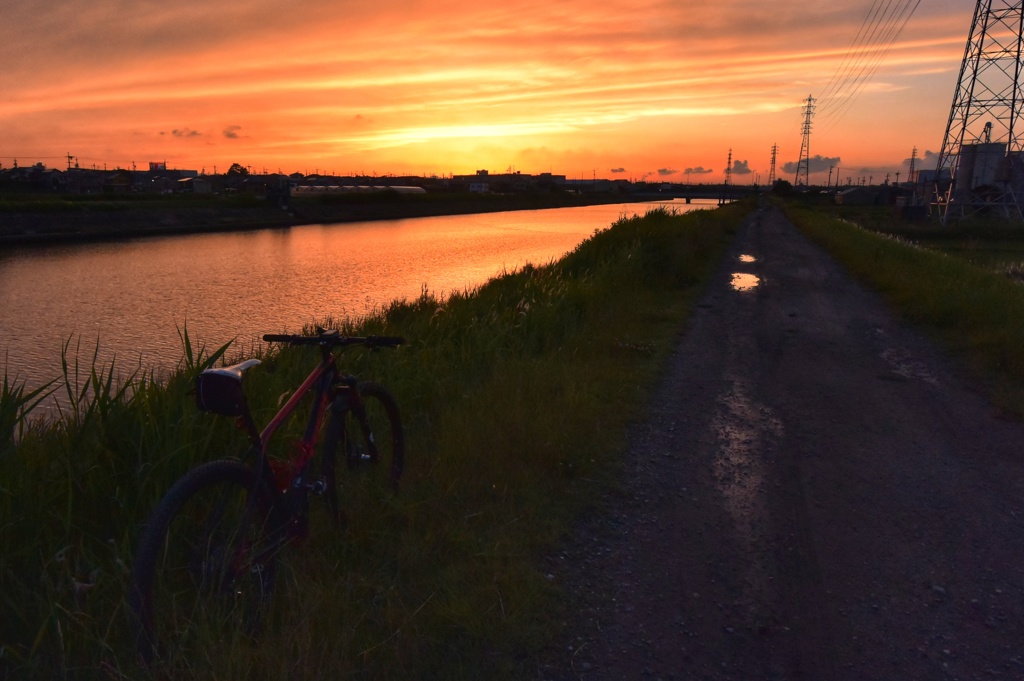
<point x="515" y="398"/>
<point x="974" y="306"/>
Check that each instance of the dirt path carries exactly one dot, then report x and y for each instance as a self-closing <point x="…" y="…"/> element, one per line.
<point x="816" y="495"/>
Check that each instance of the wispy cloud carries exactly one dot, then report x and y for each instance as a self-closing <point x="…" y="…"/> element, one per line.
<point x="573" y="81"/>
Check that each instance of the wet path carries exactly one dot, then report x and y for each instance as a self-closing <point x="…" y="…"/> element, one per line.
<point x="816" y="495"/>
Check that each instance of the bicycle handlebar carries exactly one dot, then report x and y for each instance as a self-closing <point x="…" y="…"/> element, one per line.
<point x="333" y="338"/>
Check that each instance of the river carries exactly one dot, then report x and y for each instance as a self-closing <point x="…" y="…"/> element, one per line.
<point x="127" y="300"/>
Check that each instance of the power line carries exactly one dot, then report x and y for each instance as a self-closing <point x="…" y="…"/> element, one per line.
<point x="879" y="32"/>
<point x="855" y="49"/>
<point x="862" y="49"/>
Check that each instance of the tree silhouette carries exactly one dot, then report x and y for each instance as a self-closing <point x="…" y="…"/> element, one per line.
<point x="237" y="169"/>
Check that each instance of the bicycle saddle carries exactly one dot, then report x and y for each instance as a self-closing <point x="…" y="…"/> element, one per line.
<point x="219" y="390"/>
<point x="234" y="371"/>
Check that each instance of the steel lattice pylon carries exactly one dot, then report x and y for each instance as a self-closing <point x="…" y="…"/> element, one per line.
<point x="980" y="166"/>
<point x="803" y="166"/>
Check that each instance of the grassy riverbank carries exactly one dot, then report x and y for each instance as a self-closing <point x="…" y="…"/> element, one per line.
<point x="974" y="309"/>
<point x="515" y="399"/>
<point x="45" y="218"/>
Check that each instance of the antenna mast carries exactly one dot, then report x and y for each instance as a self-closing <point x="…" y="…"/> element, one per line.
<point x="804" y="166"/>
<point x="981" y="165"/>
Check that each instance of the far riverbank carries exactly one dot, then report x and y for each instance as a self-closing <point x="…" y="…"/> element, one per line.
<point x="48" y="219"/>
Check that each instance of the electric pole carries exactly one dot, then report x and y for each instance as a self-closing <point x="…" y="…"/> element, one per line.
<point x="804" y="165"/>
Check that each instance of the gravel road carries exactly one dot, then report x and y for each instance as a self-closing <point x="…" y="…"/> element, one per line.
<point x="818" y="493"/>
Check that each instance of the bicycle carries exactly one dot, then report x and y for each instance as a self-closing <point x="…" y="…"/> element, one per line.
<point x="205" y="563"/>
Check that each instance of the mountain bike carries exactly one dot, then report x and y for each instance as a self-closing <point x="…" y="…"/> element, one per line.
<point x="205" y="563"/>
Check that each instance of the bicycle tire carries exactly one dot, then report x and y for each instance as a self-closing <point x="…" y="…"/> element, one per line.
<point x="374" y="439"/>
<point x="204" y="567"/>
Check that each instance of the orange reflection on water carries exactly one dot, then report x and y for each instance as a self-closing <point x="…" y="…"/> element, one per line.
<point x="747" y="258"/>
<point x="742" y="281"/>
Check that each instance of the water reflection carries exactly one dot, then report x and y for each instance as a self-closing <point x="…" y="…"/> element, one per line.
<point x="127" y="297"/>
<point x="744" y="281"/>
<point x="747" y="258"/>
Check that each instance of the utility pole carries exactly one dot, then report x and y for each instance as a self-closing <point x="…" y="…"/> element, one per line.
<point x="804" y="165"/>
<point x="829" y="185"/>
<point x="988" y="91"/>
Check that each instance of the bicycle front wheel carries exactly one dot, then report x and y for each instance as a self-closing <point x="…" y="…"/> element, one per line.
<point x="204" y="566"/>
<point x="374" y="441"/>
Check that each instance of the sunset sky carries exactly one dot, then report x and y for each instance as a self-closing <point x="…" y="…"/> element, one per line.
<point x="617" y="89"/>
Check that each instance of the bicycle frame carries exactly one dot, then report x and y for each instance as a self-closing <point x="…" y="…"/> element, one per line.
<point x="322" y="378"/>
<point x="286" y="477"/>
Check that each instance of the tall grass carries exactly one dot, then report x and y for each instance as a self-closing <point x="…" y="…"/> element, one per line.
<point x="515" y="397"/>
<point x="976" y="312"/>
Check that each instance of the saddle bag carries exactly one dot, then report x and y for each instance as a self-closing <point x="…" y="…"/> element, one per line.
<point x="220" y="393"/>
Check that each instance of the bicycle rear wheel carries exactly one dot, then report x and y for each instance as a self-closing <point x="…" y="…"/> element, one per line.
<point x="374" y="441"/>
<point x="205" y="565"/>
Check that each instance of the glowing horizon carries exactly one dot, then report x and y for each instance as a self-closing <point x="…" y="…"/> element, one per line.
<point x="624" y="89"/>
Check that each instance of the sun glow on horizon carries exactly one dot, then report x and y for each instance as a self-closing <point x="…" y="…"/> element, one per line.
<point x="649" y="87"/>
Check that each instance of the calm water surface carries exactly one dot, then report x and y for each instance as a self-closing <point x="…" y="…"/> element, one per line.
<point x="131" y="297"/>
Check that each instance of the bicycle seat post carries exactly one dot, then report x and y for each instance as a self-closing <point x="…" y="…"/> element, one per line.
<point x="327" y="339"/>
<point x="250" y="425"/>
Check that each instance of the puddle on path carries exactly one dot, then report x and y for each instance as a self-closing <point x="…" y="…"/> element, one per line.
<point x="747" y="258"/>
<point x="743" y="281"/>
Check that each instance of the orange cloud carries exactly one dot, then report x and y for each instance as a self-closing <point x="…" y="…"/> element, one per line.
<point x="404" y="87"/>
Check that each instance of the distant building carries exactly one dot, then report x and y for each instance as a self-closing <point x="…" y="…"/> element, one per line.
<point x="195" y="185"/>
<point x="118" y="182"/>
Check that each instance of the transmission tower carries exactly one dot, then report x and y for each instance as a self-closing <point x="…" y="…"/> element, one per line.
<point x="913" y="164"/>
<point x="771" y="173"/>
<point x="980" y="166"/>
<point x="728" y="169"/>
<point x="804" y="166"/>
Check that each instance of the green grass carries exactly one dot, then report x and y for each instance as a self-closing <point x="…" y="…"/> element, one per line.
<point x="1002" y="255"/>
<point x="975" y="311"/>
<point x="515" y="399"/>
<point x="991" y="242"/>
